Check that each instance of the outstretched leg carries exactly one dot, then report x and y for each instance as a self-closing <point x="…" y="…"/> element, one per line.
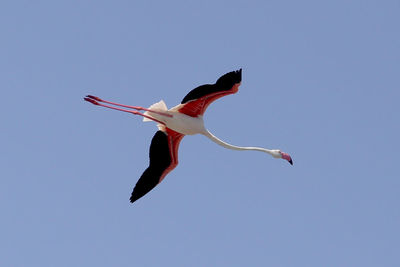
<point x="94" y="101"/>
<point x="126" y="106"/>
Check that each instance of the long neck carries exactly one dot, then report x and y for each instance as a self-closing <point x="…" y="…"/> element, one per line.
<point x="229" y="146"/>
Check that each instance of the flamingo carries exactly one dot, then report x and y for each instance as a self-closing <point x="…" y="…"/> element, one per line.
<point x="173" y="124"/>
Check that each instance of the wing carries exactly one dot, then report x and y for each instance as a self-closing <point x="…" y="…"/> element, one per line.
<point x="163" y="159"/>
<point x="196" y="101"/>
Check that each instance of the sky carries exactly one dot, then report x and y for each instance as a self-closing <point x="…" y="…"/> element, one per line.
<point x="320" y="81"/>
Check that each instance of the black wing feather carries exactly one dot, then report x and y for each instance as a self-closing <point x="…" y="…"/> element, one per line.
<point x="160" y="159"/>
<point x="224" y="83"/>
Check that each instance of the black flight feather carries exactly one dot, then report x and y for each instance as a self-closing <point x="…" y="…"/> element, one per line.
<point x="160" y="159"/>
<point x="224" y="83"/>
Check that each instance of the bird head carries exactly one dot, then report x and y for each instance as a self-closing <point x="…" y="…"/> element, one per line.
<point x="276" y="153"/>
<point x="287" y="157"/>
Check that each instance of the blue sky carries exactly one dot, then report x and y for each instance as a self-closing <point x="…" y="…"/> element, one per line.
<point x="320" y="81"/>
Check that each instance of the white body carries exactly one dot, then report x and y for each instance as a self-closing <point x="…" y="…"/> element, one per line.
<point x="185" y="124"/>
<point x="178" y="122"/>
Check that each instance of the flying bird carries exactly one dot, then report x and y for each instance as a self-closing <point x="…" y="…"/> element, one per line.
<point x="173" y="124"/>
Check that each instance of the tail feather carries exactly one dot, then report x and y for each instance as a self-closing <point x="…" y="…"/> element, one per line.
<point x="159" y="106"/>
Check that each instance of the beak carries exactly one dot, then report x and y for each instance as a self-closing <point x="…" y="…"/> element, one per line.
<point x="287" y="157"/>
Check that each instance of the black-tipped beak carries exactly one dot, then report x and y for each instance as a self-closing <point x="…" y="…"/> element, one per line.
<point x="287" y="157"/>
